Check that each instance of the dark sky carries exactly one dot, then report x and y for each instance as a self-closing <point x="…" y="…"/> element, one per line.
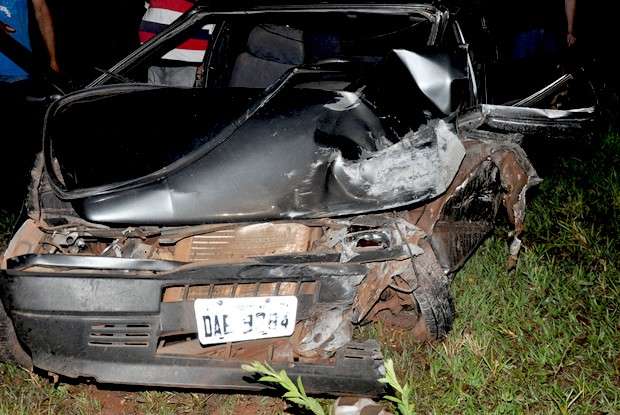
<point x="95" y="33"/>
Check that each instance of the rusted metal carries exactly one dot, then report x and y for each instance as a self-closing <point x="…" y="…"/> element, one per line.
<point x="270" y="350"/>
<point x="25" y="241"/>
<point x="326" y="331"/>
<point x="396" y="306"/>
<point x="377" y="280"/>
<point x="516" y="176"/>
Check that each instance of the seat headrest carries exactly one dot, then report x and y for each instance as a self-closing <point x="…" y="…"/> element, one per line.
<point x="277" y="43"/>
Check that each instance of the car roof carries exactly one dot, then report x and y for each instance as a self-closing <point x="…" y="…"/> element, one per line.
<point x="261" y="4"/>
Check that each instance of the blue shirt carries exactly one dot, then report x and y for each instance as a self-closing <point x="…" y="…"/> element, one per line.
<point x="15" y="14"/>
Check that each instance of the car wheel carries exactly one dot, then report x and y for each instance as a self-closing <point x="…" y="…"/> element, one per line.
<point x="432" y="295"/>
<point x="10" y="349"/>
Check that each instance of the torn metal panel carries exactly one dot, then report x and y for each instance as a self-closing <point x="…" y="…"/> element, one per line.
<point x="528" y="121"/>
<point x="325" y="332"/>
<point x="377" y="234"/>
<point x="25" y="241"/>
<point x="473" y="197"/>
<point x="419" y="167"/>
<point x="548" y="91"/>
<point x="468" y="215"/>
<point x="493" y="136"/>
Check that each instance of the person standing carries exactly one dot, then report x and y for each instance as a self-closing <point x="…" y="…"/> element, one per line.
<point x="539" y="29"/>
<point x="14" y="19"/>
<point x="20" y="121"/>
<point x="179" y="66"/>
<point x="570" y="7"/>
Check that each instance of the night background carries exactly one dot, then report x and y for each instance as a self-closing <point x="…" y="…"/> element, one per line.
<point x="94" y="34"/>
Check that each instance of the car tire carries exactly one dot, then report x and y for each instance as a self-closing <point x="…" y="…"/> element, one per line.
<point x="10" y="349"/>
<point x="432" y="295"/>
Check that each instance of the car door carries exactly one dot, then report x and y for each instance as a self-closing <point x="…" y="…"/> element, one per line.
<point x="530" y="98"/>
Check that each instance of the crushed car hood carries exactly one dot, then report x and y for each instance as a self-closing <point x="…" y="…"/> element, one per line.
<point x="171" y="156"/>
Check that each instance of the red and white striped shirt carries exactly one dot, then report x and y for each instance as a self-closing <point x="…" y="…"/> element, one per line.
<point x="160" y="14"/>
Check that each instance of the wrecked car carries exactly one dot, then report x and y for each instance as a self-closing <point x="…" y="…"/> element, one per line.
<point x="315" y="179"/>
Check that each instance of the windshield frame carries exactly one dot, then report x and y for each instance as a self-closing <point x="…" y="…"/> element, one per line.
<point x="438" y="18"/>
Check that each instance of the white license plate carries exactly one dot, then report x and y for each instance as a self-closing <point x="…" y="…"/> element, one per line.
<point x="222" y="320"/>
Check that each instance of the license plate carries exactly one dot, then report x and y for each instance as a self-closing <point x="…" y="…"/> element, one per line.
<point x="222" y="320"/>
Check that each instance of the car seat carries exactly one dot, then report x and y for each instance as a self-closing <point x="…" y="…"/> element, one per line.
<point x="271" y="51"/>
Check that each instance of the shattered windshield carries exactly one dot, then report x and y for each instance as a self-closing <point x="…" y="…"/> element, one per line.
<point x="253" y="51"/>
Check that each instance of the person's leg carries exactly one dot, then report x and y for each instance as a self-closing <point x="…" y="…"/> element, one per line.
<point x="525" y="45"/>
<point x="524" y="53"/>
<point x="20" y="129"/>
<point x="550" y="46"/>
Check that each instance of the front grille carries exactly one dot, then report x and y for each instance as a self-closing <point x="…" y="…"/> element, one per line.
<point x="248" y="241"/>
<point x="255" y="289"/>
<point x="125" y="334"/>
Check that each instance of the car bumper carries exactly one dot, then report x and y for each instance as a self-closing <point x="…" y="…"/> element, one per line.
<point x="111" y="325"/>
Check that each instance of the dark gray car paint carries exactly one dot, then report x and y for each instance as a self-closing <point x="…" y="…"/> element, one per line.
<point x="297" y="153"/>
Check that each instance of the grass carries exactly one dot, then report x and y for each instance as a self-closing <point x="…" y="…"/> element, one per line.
<point x="542" y="339"/>
<point x="7" y="220"/>
<point x="29" y="394"/>
<point x="25" y="393"/>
